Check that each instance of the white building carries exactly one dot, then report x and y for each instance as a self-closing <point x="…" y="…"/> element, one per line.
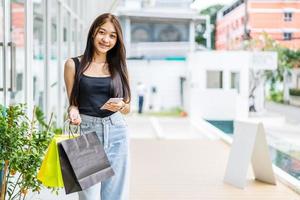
<point x="159" y="29"/>
<point x="218" y="83"/>
<point x="158" y="37"/>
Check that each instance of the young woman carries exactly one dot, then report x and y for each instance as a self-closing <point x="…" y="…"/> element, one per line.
<point x="91" y="79"/>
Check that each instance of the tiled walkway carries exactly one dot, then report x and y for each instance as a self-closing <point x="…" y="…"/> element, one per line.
<point x="191" y="170"/>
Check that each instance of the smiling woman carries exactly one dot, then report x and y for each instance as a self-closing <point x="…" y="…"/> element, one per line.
<point x="91" y="80"/>
<point x="105" y="38"/>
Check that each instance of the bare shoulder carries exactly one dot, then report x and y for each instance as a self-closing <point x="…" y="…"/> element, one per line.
<point x="69" y="68"/>
<point x="69" y="64"/>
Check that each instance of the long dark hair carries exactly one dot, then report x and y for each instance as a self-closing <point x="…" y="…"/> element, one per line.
<point x="115" y="58"/>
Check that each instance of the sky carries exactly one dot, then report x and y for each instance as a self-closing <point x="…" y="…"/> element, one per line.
<point x="201" y="4"/>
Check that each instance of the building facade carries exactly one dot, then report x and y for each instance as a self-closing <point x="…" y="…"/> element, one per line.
<point x="246" y="19"/>
<point x="36" y="38"/>
<point x="160" y="29"/>
<point x="158" y="37"/>
<point x="218" y="83"/>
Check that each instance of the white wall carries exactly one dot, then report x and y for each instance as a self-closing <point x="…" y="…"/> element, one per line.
<point x="218" y="104"/>
<point x="163" y="74"/>
<point x="200" y="102"/>
<point x="295" y="73"/>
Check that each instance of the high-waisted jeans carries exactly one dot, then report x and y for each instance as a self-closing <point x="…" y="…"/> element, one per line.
<point x="113" y="134"/>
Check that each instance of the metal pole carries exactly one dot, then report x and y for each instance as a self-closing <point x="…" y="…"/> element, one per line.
<point x="29" y="56"/>
<point x="47" y="56"/>
<point x="59" y="68"/>
<point x="5" y="11"/>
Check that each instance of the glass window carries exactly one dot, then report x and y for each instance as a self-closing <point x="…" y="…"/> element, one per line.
<point x="75" y="6"/>
<point x="53" y="69"/>
<point x="65" y="34"/>
<point x="159" y="31"/>
<point x="15" y="51"/>
<point x="235" y="81"/>
<point x="214" y="79"/>
<point x="288" y="16"/>
<point x="38" y="53"/>
<point x="81" y="39"/>
<point x="74" y="39"/>
<point x="1" y="58"/>
<point x="287" y="36"/>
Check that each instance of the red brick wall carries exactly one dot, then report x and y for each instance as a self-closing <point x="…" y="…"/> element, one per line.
<point x="263" y="17"/>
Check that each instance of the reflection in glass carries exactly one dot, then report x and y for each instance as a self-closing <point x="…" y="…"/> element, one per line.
<point x="38" y="54"/>
<point x="169" y="34"/>
<point x="286" y="162"/>
<point x="15" y="52"/>
<point x="1" y="53"/>
<point x="53" y="73"/>
<point x="159" y="31"/>
<point x="74" y="39"/>
<point x="65" y="34"/>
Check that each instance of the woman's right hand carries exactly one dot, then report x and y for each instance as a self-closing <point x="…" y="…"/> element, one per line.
<point x="74" y="115"/>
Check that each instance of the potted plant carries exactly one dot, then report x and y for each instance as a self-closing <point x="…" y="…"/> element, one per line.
<point x="295" y="96"/>
<point x="23" y="142"/>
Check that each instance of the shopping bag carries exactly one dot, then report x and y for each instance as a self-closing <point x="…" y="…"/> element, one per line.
<point x="83" y="162"/>
<point x="50" y="171"/>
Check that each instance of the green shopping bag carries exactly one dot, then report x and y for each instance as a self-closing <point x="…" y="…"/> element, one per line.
<point x="50" y="171"/>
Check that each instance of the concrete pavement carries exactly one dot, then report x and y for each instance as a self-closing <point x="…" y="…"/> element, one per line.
<point x="282" y="125"/>
<point x="291" y="113"/>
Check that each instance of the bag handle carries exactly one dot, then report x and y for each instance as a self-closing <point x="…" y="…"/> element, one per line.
<point x="68" y="128"/>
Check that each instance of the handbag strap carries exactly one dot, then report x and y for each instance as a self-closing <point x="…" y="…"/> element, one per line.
<point x="69" y="128"/>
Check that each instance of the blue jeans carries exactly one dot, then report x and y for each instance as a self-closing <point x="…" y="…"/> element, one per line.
<point x="113" y="134"/>
<point x="141" y="103"/>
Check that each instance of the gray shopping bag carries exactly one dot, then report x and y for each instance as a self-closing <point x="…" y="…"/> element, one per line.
<point x="83" y="162"/>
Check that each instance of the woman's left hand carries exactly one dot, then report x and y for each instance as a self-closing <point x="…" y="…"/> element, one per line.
<point x="114" y="107"/>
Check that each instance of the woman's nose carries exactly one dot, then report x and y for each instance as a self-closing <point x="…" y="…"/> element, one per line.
<point x="105" y="38"/>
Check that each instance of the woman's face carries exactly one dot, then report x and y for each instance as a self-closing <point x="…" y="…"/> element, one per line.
<point x="105" y="38"/>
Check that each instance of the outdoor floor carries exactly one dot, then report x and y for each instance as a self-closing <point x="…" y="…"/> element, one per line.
<point x="171" y="160"/>
<point x="191" y="170"/>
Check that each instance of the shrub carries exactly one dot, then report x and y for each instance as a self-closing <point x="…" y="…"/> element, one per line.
<point x="276" y="96"/>
<point x="23" y="142"/>
<point x="295" y="92"/>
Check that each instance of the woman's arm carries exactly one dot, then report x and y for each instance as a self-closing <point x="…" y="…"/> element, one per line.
<point x="69" y="76"/>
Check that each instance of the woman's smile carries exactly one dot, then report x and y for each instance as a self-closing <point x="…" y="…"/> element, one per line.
<point x="104" y="46"/>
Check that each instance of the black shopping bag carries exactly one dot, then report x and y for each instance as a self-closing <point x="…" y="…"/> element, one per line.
<point x="83" y="162"/>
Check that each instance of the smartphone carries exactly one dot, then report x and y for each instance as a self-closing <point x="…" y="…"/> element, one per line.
<point x="112" y="100"/>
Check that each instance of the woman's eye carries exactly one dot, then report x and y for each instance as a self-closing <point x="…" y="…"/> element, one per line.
<point x="101" y="32"/>
<point x="113" y="36"/>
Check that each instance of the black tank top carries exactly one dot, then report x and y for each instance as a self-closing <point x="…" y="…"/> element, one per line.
<point x="93" y="93"/>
